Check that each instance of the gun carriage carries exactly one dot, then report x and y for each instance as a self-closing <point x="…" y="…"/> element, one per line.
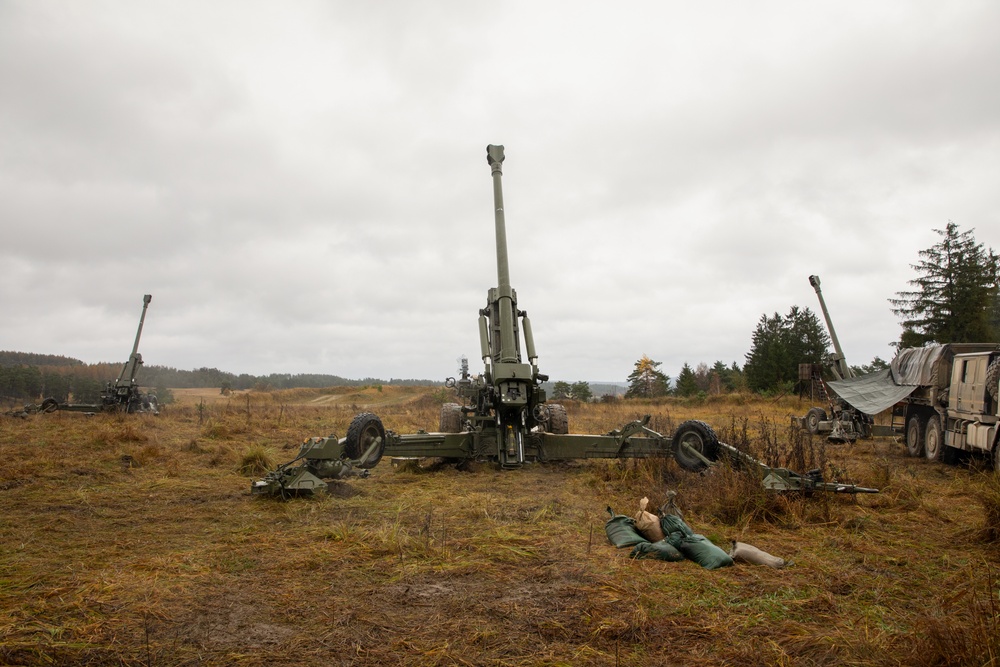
<point x="122" y="395"/>
<point x="503" y="415"/>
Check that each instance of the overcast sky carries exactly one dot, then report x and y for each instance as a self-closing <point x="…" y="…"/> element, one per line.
<point x="302" y="186"/>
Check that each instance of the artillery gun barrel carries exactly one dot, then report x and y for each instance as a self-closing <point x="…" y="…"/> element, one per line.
<point x="131" y="366"/>
<point x="146" y="298"/>
<point x="495" y="156"/>
<point x="508" y="343"/>
<point x="840" y="364"/>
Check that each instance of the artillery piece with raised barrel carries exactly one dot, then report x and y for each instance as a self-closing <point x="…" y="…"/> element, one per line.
<point x="122" y="395"/>
<point x="843" y="423"/>
<point x="503" y="415"/>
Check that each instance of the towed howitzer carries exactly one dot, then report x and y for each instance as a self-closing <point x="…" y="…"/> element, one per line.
<point x="504" y="416"/>
<point x="122" y="395"/>
<point x="844" y="423"/>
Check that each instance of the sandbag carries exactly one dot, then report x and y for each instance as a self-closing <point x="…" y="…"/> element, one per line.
<point x="692" y="545"/>
<point x="751" y="554"/>
<point x="701" y="550"/>
<point x="621" y="530"/>
<point x="661" y="550"/>
<point x="648" y="523"/>
<point x="674" y="529"/>
<point x="670" y="507"/>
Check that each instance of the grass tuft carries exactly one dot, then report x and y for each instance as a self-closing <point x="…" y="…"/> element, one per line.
<point x="965" y="629"/>
<point x="256" y="460"/>
<point x="989" y="498"/>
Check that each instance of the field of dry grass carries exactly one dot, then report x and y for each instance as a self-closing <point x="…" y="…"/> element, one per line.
<point x="133" y="540"/>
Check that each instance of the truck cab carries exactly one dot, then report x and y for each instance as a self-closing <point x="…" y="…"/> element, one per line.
<point x="972" y="408"/>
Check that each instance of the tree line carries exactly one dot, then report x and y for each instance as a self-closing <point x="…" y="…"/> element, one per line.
<point x="954" y="299"/>
<point x="29" y="377"/>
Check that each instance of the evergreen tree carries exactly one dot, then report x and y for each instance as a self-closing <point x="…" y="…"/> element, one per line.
<point x="86" y="390"/>
<point x="780" y="344"/>
<point x="767" y="359"/>
<point x="877" y="364"/>
<point x="581" y="391"/>
<point x="647" y="381"/>
<point x="737" y="379"/>
<point x="56" y="386"/>
<point x="687" y="382"/>
<point x="725" y="379"/>
<point x="954" y="299"/>
<point x="561" y="389"/>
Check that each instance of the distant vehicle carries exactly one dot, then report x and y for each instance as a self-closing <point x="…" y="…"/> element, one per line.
<point x="122" y="395"/>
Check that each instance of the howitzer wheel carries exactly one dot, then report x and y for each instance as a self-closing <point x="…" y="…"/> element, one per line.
<point x="813" y="418"/>
<point x="364" y="430"/>
<point x="451" y="418"/>
<point x="700" y="437"/>
<point x="49" y="405"/>
<point x="557" y="421"/>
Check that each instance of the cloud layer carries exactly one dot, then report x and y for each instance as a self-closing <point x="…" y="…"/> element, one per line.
<point x="303" y="187"/>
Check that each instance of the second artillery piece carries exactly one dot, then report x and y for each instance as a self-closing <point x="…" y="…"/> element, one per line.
<point x="122" y="395"/>
<point x="844" y="423"/>
<point x="504" y="416"/>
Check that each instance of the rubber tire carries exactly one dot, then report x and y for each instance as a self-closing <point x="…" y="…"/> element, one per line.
<point x="934" y="447"/>
<point x="451" y="418"/>
<point x="558" y="421"/>
<point x="363" y="429"/>
<point x="49" y="405"/>
<point x="996" y="459"/>
<point x="915" y="435"/>
<point x="813" y="418"/>
<point x="992" y="378"/>
<point x="701" y="437"/>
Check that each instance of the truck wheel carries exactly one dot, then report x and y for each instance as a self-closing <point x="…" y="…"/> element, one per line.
<point x="558" y="421"/>
<point x="451" y="418"/>
<point x="700" y="437"/>
<point x="813" y="418"/>
<point x="915" y="436"/>
<point x="992" y="378"/>
<point x="934" y="447"/>
<point x="996" y="459"/>
<point x="365" y="428"/>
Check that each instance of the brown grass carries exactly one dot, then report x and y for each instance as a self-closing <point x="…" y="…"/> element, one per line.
<point x="133" y="540"/>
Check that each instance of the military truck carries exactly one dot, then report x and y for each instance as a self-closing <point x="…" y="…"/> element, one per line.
<point x="943" y="399"/>
<point x="954" y="406"/>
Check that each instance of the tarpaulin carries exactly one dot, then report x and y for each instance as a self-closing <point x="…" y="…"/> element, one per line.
<point x="918" y="365"/>
<point x="871" y="393"/>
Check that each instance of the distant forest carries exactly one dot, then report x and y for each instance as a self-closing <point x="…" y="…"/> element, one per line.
<point x="26" y="376"/>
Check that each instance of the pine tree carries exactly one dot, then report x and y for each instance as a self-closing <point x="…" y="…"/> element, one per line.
<point x="955" y="295"/>
<point x="726" y="379"/>
<point x="561" y="389"/>
<point x="647" y="381"/>
<point x="581" y="391"/>
<point x="687" y="382"/>
<point x="780" y="344"/>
